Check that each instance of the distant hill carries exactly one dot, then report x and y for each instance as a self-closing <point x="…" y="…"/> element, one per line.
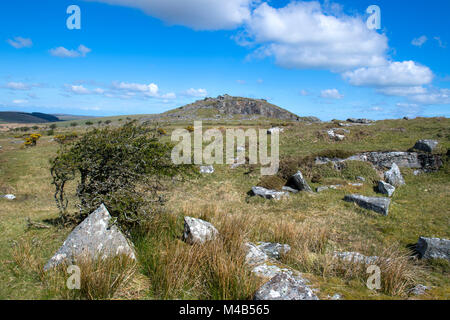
<point x="24" y="117"/>
<point x="232" y="108"/>
<point x="70" y="117"/>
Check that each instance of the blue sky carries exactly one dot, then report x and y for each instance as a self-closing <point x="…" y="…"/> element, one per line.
<point x="148" y="56"/>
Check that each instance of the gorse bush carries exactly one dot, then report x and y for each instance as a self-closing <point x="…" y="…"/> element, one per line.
<point x="31" y="140"/>
<point x="125" y="168"/>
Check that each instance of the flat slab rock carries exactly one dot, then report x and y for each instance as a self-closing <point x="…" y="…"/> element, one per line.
<point x="394" y="176"/>
<point x="386" y="188"/>
<point x="285" y="286"/>
<point x="433" y="248"/>
<point x="198" y="231"/>
<point x="377" y="204"/>
<point x="8" y="196"/>
<point x="426" y="145"/>
<point x="269" y="194"/>
<point x="264" y="251"/>
<point x="355" y="257"/>
<point x="92" y="238"/>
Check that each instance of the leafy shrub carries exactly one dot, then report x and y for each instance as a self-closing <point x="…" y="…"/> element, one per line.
<point x="89" y="123"/>
<point x="65" y="138"/>
<point x="53" y="126"/>
<point x="31" y="140"/>
<point x="124" y="168"/>
<point x="340" y="154"/>
<point x="73" y="124"/>
<point x="162" y="132"/>
<point x="50" y="132"/>
<point x="108" y="121"/>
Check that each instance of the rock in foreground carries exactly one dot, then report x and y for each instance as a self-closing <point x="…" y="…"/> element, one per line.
<point x="285" y="286"/>
<point x="206" y="169"/>
<point x="298" y="182"/>
<point x="386" y="188"/>
<point x="92" y="238"/>
<point x="377" y="204"/>
<point x="198" y="231"/>
<point x="394" y="176"/>
<point x="426" y="145"/>
<point x="8" y="196"/>
<point x="269" y="194"/>
<point x="433" y="248"/>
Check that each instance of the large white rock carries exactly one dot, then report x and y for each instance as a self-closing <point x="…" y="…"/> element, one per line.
<point x="386" y="188"/>
<point x="394" y="176"/>
<point x="198" y="231"/>
<point x="285" y="286"/>
<point x="8" y="196"/>
<point x="93" y="238"/>
<point x="269" y="194"/>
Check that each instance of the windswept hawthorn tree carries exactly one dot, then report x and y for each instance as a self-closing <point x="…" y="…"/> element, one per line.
<point x="123" y="167"/>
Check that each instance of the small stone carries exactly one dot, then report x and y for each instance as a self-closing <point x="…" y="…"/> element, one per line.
<point x="426" y="145"/>
<point x="377" y="204"/>
<point x="394" y="176"/>
<point x="277" y="129"/>
<point x="285" y="286"/>
<point x="419" y="289"/>
<point x="298" y="182"/>
<point x="289" y="189"/>
<point x="386" y="188"/>
<point x="355" y="257"/>
<point x="206" y="169"/>
<point x="8" y="196"/>
<point x="433" y="248"/>
<point x="361" y="178"/>
<point x="273" y="250"/>
<point x="198" y="231"/>
<point x="323" y="188"/>
<point x="255" y="255"/>
<point x="269" y="194"/>
<point x="336" y="296"/>
<point x="356" y="184"/>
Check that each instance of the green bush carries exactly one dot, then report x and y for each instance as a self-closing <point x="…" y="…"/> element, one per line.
<point x="124" y="168"/>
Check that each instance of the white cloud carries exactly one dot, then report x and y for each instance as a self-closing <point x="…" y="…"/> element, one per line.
<point x="439" y="96"/>
<point x="79" y="90"/>
<point x="331" y="94"/>
<point x="440" y="42"/>
<point x="20" y="42"/>
<point x="62" y="52"/>
<point x="169" y="95"/>
<point x="19" y="101"/>
<point x="418" y="42"/>
<point x="394" y="74"/>
<point x="151" y="89"/>
<point x="402" y="91"/>
<point x="17" y="86"/>
<point x="303" y="35"/>
<point x="196" y="14"/>
<point x="196" y="92"/>
<point x="304" y="92"/>
<point x="240" y="81"/>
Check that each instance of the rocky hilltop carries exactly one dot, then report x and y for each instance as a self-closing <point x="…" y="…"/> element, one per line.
<point x="232" y="108"/>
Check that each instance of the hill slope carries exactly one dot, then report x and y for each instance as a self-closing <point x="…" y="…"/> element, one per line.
<point x="229" y="107"/>
<point x="24" y="117"/>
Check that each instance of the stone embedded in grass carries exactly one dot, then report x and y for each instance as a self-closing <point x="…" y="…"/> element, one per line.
<point x="285" y="286"/>
<point x="198" y="231"/>
<point x="298" y="182"/>
<point x="255" y="255"/>
<point x="335" y="136"/>
<point x="269" y="194"/>
<point x="289" y="189"/>
<point x="271" y="130"/>
<point x="93" y="238"/>
<point x="418" y="290"/>
<point x="206" y="169"/>
<point x="426" y="145"/>
<point x="355" y="257"/>
<point x="377" y="204"/>
<point x="274" y="250"/>
<point x="394" y="176"/>
<point x="360" y="178"/>
<point x="358" y="184"/>
<point x="433" y="248"/>
<point x="386" y="188"/>
<point x="8" y="196"/>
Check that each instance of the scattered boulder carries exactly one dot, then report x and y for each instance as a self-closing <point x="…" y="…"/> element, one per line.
<point x="269" y="270"/>
<point x="322" y="188"/>
<point x="285" y="286"/>
<point x="289" y="189"/>
<point x="377" y="204"/>
<point x="8" y="196"/>
<point x="419" y="290"/>
<point x="355" y="257"/>
<point x="206" y="169"/>
<point x="360" y="178"/>
<point x="386" y="188"/>
<point x="269" y="194"/>
<point x="394" y="176"/>
<point x="277" y="129"/>
<point x="335" y="136"/>
<point x="334" y="187"/>
<point x="361" y="121"/>
<point x="274" y="250"/>
<point x="299" y="183"/>
<point x="255" y="256"/>
<point x="433" y="248"/>
<point x="198" y="231"/>
<point x="406" y="118"/>
<point x="92" y="238"/>
<point x="426" y="145"/>
<point x="336" y="296"/>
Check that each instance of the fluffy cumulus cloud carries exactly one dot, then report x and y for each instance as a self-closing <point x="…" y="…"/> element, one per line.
<point x="331" y="94"/>
<point x="303" y="35"/>
<point x="393" y="74"/>
<point x="418" y="42"/>
<point x="196" y="92"/>
<point x="432" y="97"/>
<point x="17" y="86"/>
<point x="196" y="14"/>
<point x="62" y="52"/>
<point x="19" y="42"/>
<point x="150" y="90"/>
